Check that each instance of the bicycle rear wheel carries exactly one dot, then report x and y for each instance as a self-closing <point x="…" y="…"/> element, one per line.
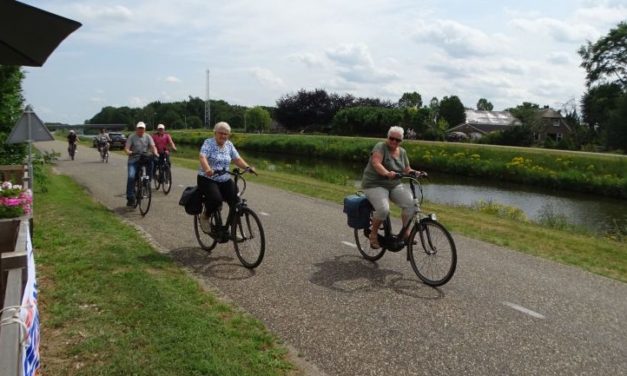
<point x="363" y="243"/>
<point x="146" y="197"/>
<point x="166" y="176"/>
<point x="206" y="239"/>
<point x="248" y="238"/>
<point x="434" y="256"/>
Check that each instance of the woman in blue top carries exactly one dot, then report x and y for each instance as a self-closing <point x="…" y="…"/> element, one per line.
<point x="216" y="154"/>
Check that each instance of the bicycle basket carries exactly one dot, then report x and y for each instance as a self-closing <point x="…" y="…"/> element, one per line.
<point x="357" y="209"/>
<point x="191" y="199"/>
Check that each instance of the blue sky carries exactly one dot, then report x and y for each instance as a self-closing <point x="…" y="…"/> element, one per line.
<point x="133" y="52"/>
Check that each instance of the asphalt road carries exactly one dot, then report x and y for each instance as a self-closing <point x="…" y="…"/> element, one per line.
<point x="502" y="313"/>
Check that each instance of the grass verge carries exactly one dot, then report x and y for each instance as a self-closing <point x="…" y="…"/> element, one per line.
<point x="111" y="305"/>
<point x="600" y="255"/>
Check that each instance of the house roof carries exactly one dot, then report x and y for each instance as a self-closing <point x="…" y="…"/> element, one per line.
<point x="483" y="122"/>
<point x="550" y="113"/>
<point x="497" y="118"/>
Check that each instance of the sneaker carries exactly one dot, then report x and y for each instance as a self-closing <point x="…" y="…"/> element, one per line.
<point x="205" y="224"/>
<point x="238" y="238"/>
<point x="130" y="202"/>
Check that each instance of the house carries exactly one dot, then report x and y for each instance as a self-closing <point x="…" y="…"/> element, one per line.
<point x="479" y="123"/>
<point x="551" y="126"/>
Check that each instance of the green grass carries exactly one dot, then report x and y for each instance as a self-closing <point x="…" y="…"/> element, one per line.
<point x="111" y="305"/>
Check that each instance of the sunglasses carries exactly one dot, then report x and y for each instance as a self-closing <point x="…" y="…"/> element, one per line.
<point x="395" y="139"/>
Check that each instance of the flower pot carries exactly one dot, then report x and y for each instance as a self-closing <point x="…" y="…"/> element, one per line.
<point x="9" y="230"/>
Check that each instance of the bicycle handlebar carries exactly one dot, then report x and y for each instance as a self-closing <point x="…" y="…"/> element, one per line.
<point x="413" y="175"/>
<point x="235" y="172"/>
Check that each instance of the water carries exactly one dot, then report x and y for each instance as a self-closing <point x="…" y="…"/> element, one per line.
<point x="597" y="213"/>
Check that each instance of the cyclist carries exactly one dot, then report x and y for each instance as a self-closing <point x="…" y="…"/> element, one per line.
<point x="137" y="145"/>
<point x="380" y="184"/>
<point x="216" y="154"/>
<point x="163" y="141"/>
<point x="103" y="140"/>
<point x="72" y="140"/>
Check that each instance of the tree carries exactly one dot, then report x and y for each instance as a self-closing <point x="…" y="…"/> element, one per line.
<point x="257" y="119"/>
<point x="410" y="100"/>
<point x="366" y="121"/>
<point x="617" y="125"/>
<point x="484" y="105"/>
<point x="305" y="110"/>
<point x="605" y="61"/>
<point x="11" y="102"/>
<point x="452" y="110"/>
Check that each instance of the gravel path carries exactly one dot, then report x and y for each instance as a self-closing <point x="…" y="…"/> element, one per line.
<point x="502" y="313"/>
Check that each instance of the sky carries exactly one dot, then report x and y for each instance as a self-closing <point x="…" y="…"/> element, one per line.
<point x="133" y="52"/>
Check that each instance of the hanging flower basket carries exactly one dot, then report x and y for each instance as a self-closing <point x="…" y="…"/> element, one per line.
<point x="15" y="205"/>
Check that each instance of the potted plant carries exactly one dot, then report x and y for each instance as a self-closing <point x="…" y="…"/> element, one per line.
<point x="15" y="203"/>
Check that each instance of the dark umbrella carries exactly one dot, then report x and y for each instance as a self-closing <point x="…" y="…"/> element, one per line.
<point x="28" y="35"/>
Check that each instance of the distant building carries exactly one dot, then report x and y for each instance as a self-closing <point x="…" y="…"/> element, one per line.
<point x="551" y="125"/>
<point x="479" y="123"/>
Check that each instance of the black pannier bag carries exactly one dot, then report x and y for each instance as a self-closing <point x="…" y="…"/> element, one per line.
<point x="357" y="209"/>
<point x="191" y="199"/>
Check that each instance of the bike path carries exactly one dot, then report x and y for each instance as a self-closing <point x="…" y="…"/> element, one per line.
<point x="502" y="313"/>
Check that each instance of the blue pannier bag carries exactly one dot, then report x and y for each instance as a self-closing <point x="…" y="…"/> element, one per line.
<point x="357" y="209"/>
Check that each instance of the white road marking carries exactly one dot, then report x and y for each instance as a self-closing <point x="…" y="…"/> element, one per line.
<point x="349" y="244"/>
<point x="264" y="214"/>
<point x="524" y="310"/>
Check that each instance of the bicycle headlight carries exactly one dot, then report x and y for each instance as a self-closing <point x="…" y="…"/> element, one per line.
<point x="433" y="217"/>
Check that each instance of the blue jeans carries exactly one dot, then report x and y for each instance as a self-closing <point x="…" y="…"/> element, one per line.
<point x="133" y="167"/>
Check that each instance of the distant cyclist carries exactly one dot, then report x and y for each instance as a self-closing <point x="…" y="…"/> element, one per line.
<point x="72" y="143"/>
<point x="72" y="138"/>
<point x="163" y="142"/>
<point x="137" y="145"/>
<point x="103" y="140"/>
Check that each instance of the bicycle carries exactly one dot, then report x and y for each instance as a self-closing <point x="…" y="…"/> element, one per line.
<point x="71" y="149"/>
<point x="436" y="262"/>
<point x="244" y="230"/>
<point x="163" y="174"/>
<point x="143" y="193"/>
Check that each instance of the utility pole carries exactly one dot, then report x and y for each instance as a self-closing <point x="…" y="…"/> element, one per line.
<point x="208" y="105"/>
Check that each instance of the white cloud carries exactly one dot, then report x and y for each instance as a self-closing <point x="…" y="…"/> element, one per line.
<point x="309" y="59"/>
<point x="560" y="31"/>
<point x="115" y="13"/>
<point x="137" y="101"/>
<point x="355" y="64"/>
<point x="267" y="78"/>
<point x="172" y="80"/>
<point x="560" y="58"/>
<point x="456" y="39"/>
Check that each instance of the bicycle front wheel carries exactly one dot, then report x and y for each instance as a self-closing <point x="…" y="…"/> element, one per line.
<point x="434" y="255"/>
<point x="166" y="176"/>
<point x="146" y="197"/>
<point x="248" y="238"/>
<point x="156" y="180"/>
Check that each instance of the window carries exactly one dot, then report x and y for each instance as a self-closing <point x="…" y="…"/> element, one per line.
<point x="556" y="122"/>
